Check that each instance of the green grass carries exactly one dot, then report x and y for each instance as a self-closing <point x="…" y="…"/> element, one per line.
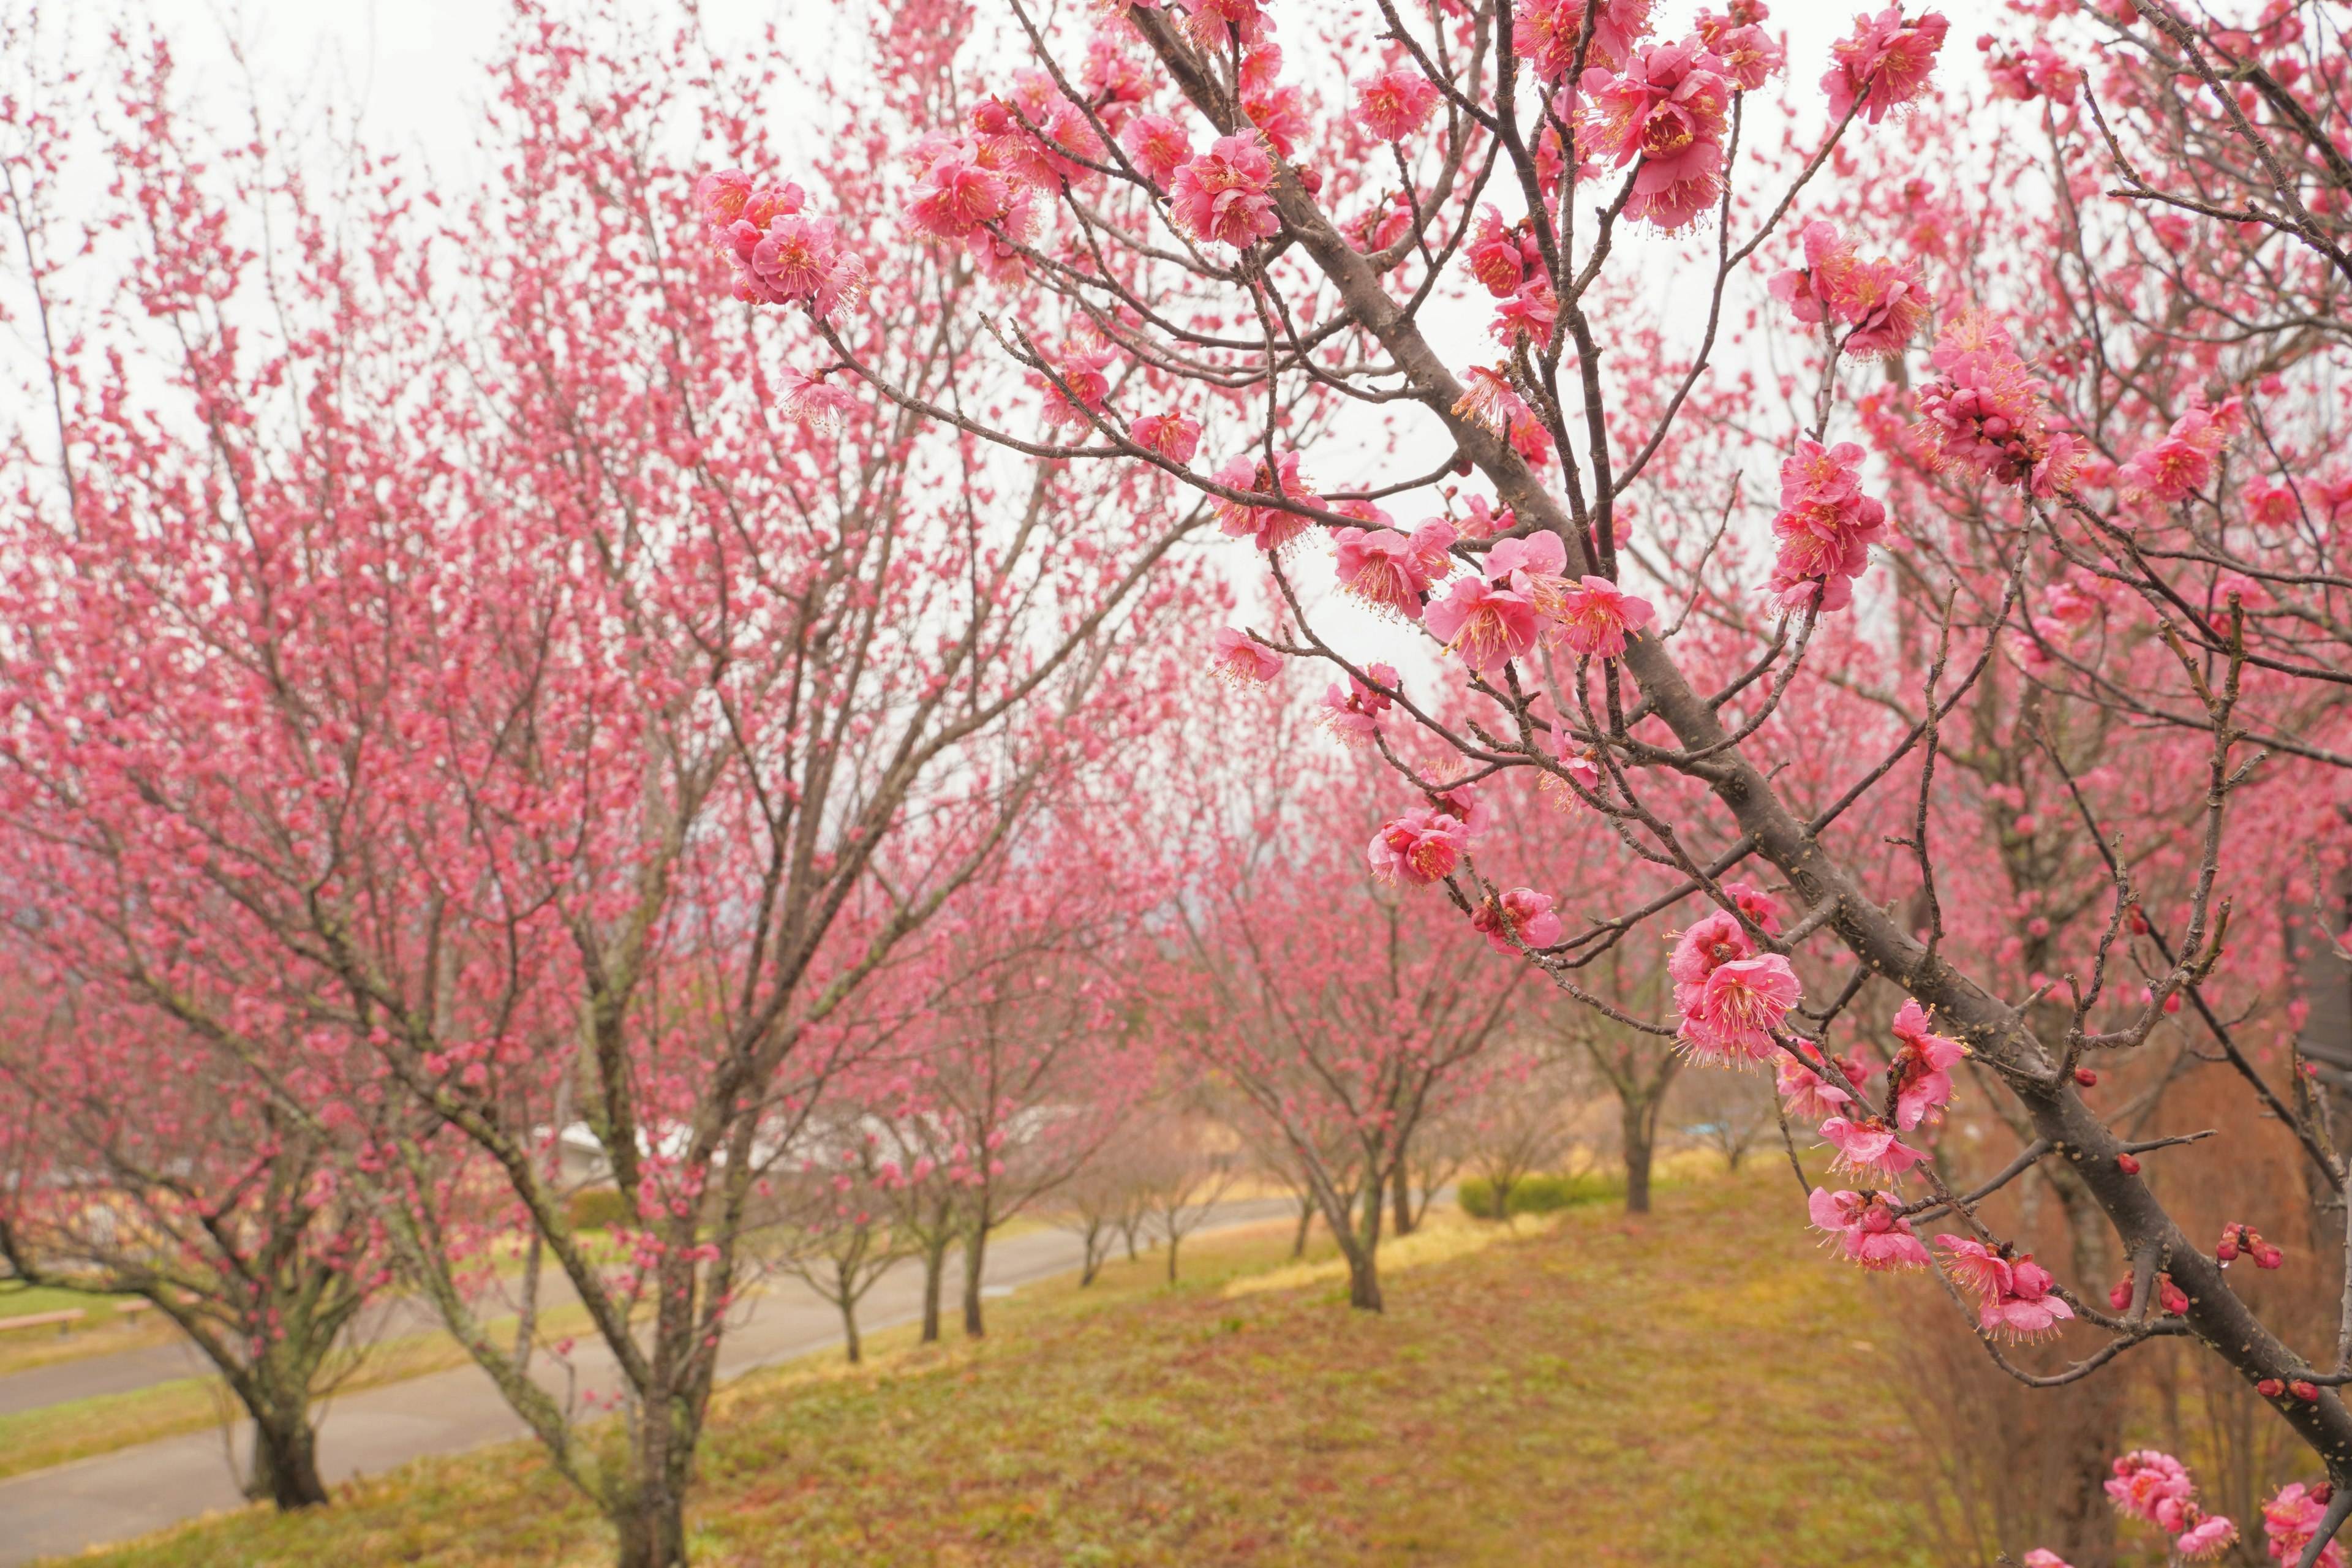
<point x="1698" y="1388"/>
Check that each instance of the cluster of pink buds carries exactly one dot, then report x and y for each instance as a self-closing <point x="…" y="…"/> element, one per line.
<point x="1519" y="916"/>
<point x="1983" y="411"/>
<point x="2245" y="1240"/>
<point x="2168" y="1296"/>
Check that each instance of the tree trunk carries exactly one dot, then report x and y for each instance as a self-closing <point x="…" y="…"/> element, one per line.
<point x="1306" y="1219"/>
<point x="653" y="1532"/>
<point x="1096" y="1250"/>
<point x="1638" y="1127"/>
<point x="1175" y="1241"/>
<point x="1402" y="1186"/>
<point x="849" y="1330"/>
<point x="935" y="1264"/>
<point x="975" y="1255"/>
<point x="1364" y="1281"/>
<point x="285" y="1461"/>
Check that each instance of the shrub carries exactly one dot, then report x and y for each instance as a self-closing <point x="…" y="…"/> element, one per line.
<point x="1537" y="1194"/>
<point x="599" y="1208"/>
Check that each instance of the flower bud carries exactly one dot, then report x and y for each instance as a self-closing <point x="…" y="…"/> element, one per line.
<point x="2127" y="1165"/>
<point x="2270" y="1388"/>
<point x="2085" y="1076"/>
<point x="2303" y="1391"/>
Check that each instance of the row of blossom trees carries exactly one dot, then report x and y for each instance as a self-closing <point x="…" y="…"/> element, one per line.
<point x="1841" y="580"/>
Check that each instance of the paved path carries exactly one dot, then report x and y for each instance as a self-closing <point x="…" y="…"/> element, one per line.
<point x="133" y="1491"/>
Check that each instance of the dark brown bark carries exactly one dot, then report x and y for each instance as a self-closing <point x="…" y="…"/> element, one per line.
<point x="975" y="1258"/>
<point x="285" y="1461"/>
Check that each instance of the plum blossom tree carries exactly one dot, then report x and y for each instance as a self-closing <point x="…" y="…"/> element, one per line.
<point x="2058" y="392"/>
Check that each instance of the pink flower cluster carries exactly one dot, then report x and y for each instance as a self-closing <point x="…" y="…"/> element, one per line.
<point x="1867" y="1146"/>
<point x="2291" y="1518"/>
<point x="1883" y="64"/>
<point x="1422" y="846"/>
<point x="1509" y="263"/>
<point x="1984" y="410"/>
<point x="1665" y="108"/>
<point x="1225" y="194"/>
<point x="1353" y="715"/>
<point x="1921" y="1071"/>
<point x="1731" y="998"/>
<point x="2014" y="1296"/>
<point x="1268" y="527"/>
<point x="1395" y="103"/>
<point x="2181" y="464"/>
<point x="1882" y="301"/>
<point x="1545" y="33"/>
<point x="2038" y="72"/>
<point x="1082" y="369"/>
<point x="1874" y="1236"/>
<point x="1519" y="916"/>
<point x="1395" y="570"/>
<point x="2245" y="1241"/>
<point x="781" y="256"/>
<point x="1751" y="56"/>
<point x="2155" y="1486"/>
<point x="1490" y="403"/>
<point x="1825" y="526"/>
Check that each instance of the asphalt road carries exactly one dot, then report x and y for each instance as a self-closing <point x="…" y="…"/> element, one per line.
<point x="133" y="1491"/>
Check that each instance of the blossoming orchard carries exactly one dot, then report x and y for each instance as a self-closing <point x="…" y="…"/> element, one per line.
<point x="1079" y="611"/>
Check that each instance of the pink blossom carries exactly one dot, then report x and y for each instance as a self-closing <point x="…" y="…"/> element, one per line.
<point x="956" y="191"/>
<point x="1751" y="56"/>
<point x="1595" y="616"/>
<point x="1422" y="846"/>
<point x="1223" y="196"/>
<point x="780" y="255"/>
<point x="1490" y="402"/>
<point x="1825" y="525"/>
<point x="1522" y="913"/>
<point x="1867" y="1146"/>
<point x="1667" y="109"/>
<point x="2040" y="72"/>
<point x="1981" y="1270"/>
<point x="1883" y="63"/>
<point x="996" y="249"/>
<point x="1392" y="569"/>
<point x="1243" y="661"/>
<point x="1874" y="1236"/>
<point x="1279" y="109"/>
<point x="1516" y="559"/>
<point x="813" y="401"/>
<point x="1084" y="381"/>
<point x="2179" y="465"/>
<point x="1545" y="33"/>
<point x="2027" y="1309"/>
<point x="2291" y="1518"/>
<point x="1702" y="948"/>
<point x="1496" y="254"/>
<point x="1758" y="906"/>
<point x="1462" y="802"/>
<point x="1531" y="313"/>
<point x="1486" y="625"/>
<point x="1807" y="1093"/>
<point x="1269" y="527"/>
<point x="1157" y="145"/>
<point x="1741" y="1004"/>
<point x="1353" y="715"/>
<point x="1921" y="1068"/>
<point x="2042" y="1557"/>
<point x="1210" y="21"/>
<point x="2150" y="1486"/>
<point x="2207" y="1538"/>
<point x="1172" y="435"/>
<point x="1395" y="103"/>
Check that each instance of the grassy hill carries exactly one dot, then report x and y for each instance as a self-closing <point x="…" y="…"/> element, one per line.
<point x="1702" y="1387"/>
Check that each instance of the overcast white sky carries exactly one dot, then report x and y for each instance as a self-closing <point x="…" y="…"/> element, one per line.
<point x="414" y="66"/>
